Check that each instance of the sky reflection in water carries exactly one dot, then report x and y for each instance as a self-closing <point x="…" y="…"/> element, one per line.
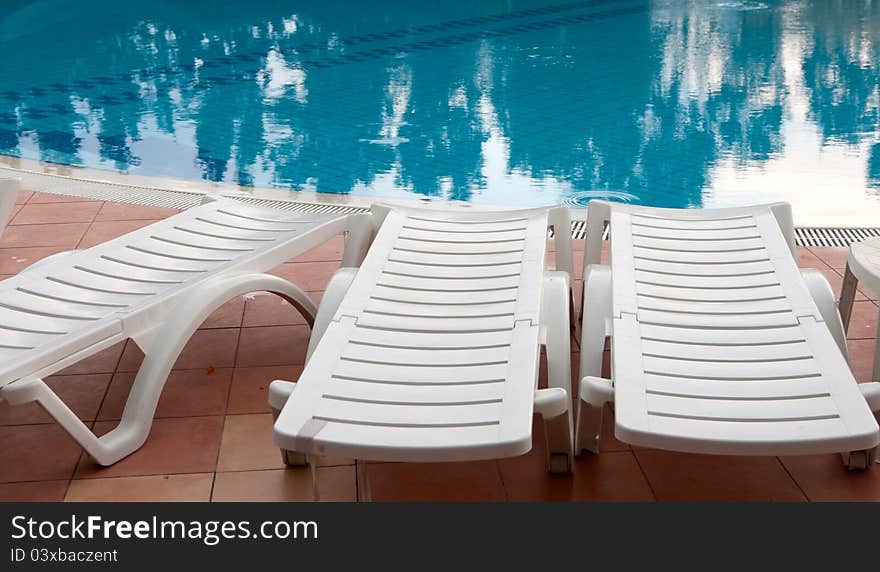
<point x="673" y="103"/>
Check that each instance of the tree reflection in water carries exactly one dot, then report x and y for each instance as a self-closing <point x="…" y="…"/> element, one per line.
<point x="674" y="103"/>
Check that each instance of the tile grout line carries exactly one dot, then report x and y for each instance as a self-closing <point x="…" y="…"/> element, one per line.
<point x="225" y="414"/>
<point x="501" y="479"/>
<point x="644" y="474"/>
<point x="225" y="407"/>
<point x="794" y="480"/>
<point x="91" y="224"/>
<point x="32" y="481"/>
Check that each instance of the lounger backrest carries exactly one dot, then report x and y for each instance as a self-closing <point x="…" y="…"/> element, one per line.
<point x="413" y="250"/>
<point x="599" y="215"/>
<point x="124" y="286"/>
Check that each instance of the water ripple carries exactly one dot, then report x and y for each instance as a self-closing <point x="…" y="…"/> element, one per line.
<point x="581" y="198"/>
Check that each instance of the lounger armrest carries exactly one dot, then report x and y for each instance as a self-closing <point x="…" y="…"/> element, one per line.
<point x="551" y="402"/>
<point x="279" y="392"/>
<point x="823" y="296"/>
<point x="871" y="392"/>
<point x="597" y="390"/>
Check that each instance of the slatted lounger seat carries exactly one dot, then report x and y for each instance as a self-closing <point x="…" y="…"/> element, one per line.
<point x="154" y="285"/>
<point x="719" y="343"/>
<point x="430" y="351"/>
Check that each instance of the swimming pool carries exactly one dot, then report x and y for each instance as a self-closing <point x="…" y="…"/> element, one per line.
<point x="521" y="102"/>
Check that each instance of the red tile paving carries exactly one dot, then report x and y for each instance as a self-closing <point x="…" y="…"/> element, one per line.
<point x="478" y="481"/>
<point x="187" y="393"/>
<point x="154" y="488"/>
<point x="35" y="491"/>
<point x="212" y="435"/>
<point x="124" y="211"/>
<point x="176" y="445"/>
<point x="14" y="260"/>
<point x="335" y="484"/>
<point x="36" y="453"/>
<point x="684" y="477"/>
<point x="63" y="235"/>
<point x="273" y="345"/>
<point x="52" y="213"/>
<point x="251" y="384"/>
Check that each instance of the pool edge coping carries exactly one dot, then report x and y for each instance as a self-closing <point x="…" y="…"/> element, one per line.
<point x="115" y="186"/>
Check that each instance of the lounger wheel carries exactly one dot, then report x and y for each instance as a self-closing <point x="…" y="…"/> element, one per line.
<point x="294" y="459"/>
<point x="560" y="463"/>
<point x="591" y="448"/>
<point x="858" y="460"/>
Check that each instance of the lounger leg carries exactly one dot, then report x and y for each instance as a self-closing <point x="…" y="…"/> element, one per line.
<point x="558" y="434"/>
<point x="557" y="424"/>
<point x="589" y="427"/>
<point x="364" y="493"/>
<point x="847" y="297"/>
<point x="34" y="389"/>
<point x="279" y="392"/>
<point x="554" y="406"/>
<point x="165" y="344"/>
<point x="313" y="464"/>
<point x="595" y="392"/>
<point x="597" y="314"/>
<point x="162" y="345"/>
<point x="863" y="459"/>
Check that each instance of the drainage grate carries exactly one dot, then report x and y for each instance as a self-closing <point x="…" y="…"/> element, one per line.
<point x="314" y="208"/>
<point x="150" y="196"/>
<point x="833" y="236"/>
<point x="805" y="236"/>
<point x="579" y="230"/>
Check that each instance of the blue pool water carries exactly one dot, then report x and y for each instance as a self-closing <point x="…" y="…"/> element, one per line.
<point x="667" y="103"/>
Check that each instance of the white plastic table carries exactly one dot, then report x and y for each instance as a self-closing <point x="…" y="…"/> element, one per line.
<point x="862" y="265"/>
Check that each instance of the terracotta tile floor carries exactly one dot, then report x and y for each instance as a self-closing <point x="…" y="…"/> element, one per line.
<point x="212" y="436"/>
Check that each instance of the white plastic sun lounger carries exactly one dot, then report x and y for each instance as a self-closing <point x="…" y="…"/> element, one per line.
<point x="154" y="285"/>
<point x="430" y="351"/>
<point x="719" y="343"/>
